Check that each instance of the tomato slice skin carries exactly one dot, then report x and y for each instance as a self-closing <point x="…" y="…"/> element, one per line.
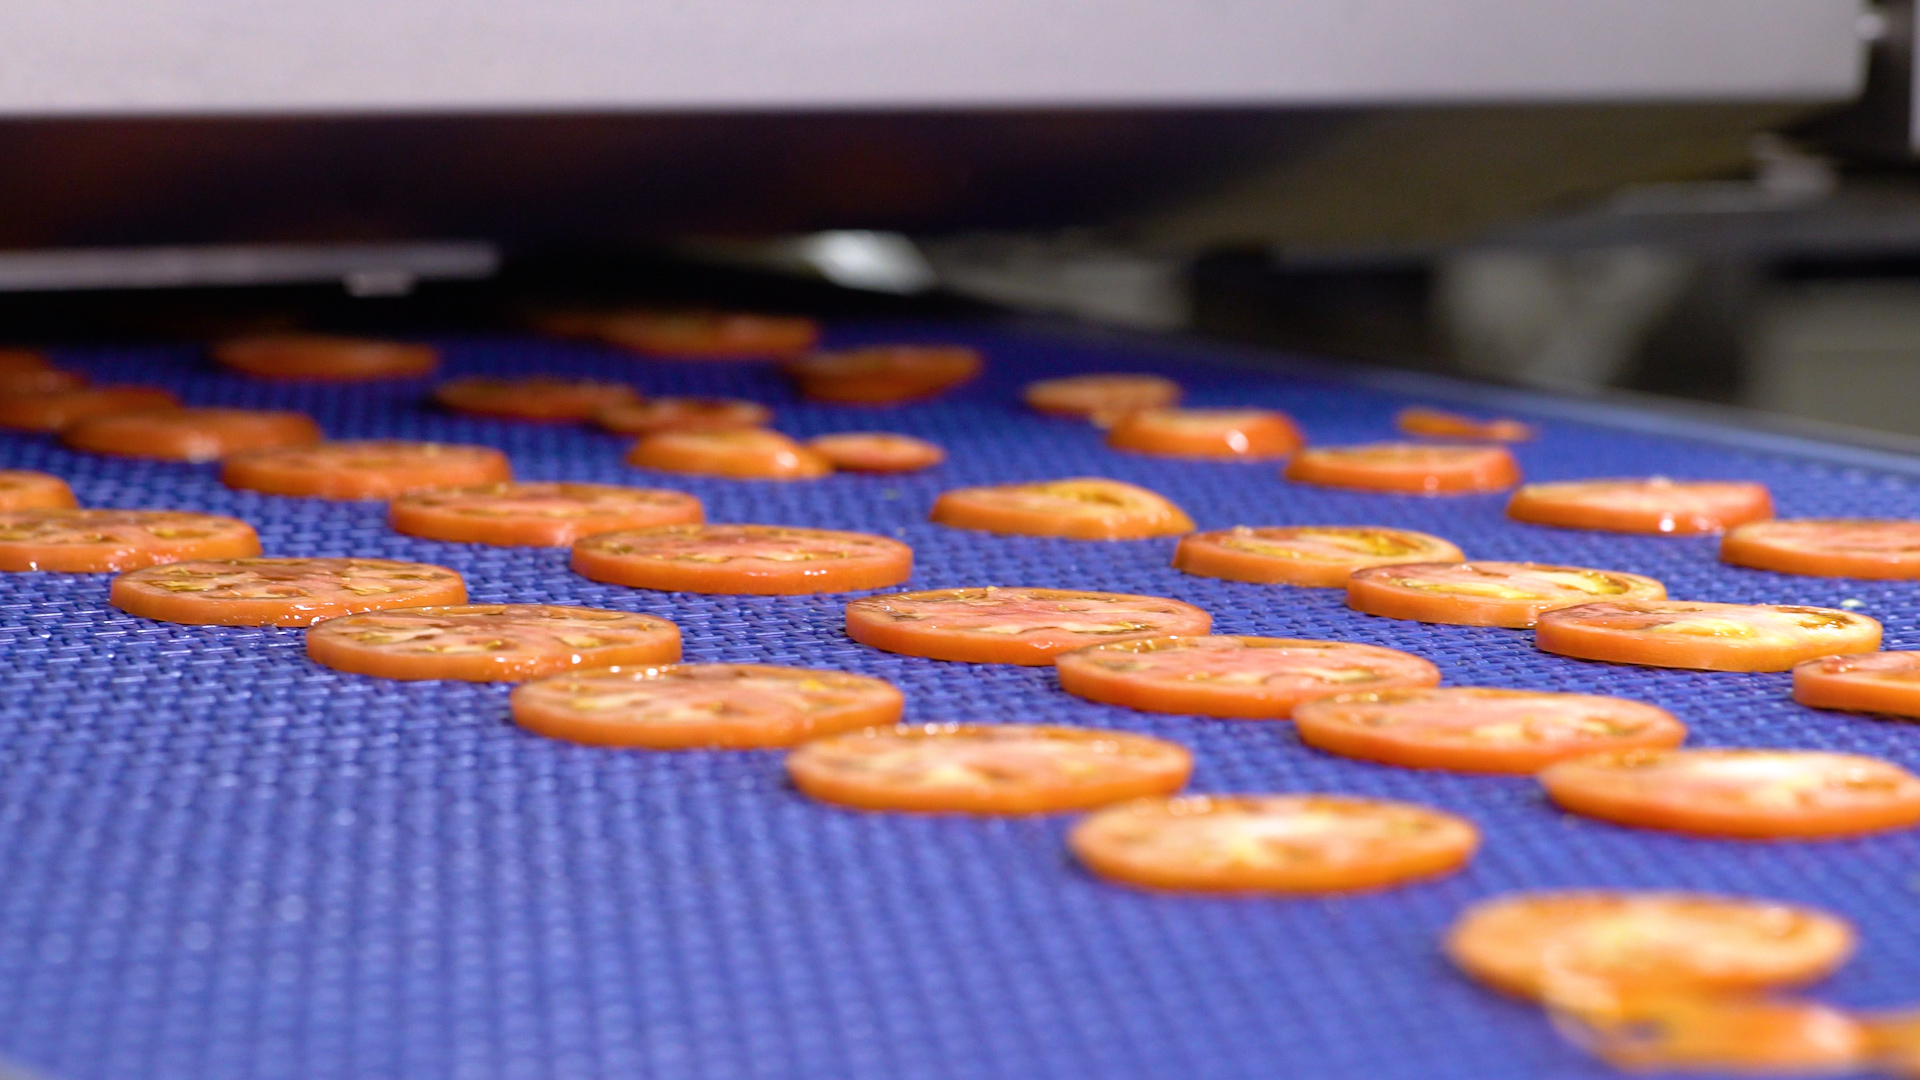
<point x="1487" y="593"/>
<point x="683" y="414"/>
<point x="1236" y="434"/>
<point x="56" y="409"/>
<point x="21" y="489"/>
<point x="1103" y="399"/>
<point x="1698" y="1032"/>
<point x="1212" y="843"/>
<point x="703" y="706"/>
<point x="1649" y="505"/>
<point x="985" y="768"/>
<point x="1079" y="508"/>
<point x="190" y="434"/>
<point x="1879" y="682"/>
<point x="369" y="469"/>
<point x="1703" y="636"/>
<point x="702" y="335"/>
<point x="877" y="451"/>
<point x="539" y="397"/>
<point x="1316" y="556"/>
<point x="102" y="541"/>
<point x="1439" y="424"/>
<point x="279" y="592"/>
<point x="1480" y="729"/>
<point x="1214" y="675"/>
<point x="735" y="453"/>
<point x="1406" y="468"/>
<point x="743" y="560"/>
<point x="884" y="374"/>
<point x="1827" y="547"/>
<point x="994" y="625"/>
<point x="321" y="357"/>
<point x="515" y="641"/>
<point x="537" y="515"/>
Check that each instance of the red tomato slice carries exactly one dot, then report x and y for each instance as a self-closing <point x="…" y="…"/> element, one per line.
<point x="704" y="335"/>
<point x="1476" y="729"/>
<point x="39" y="381"/>
<point x="739" y="453"/>
<point x="1827" y="547"/>
<point x="97" y="541"/>
<point x="743" y="560"/>
<point x="280" y="592"/>
<point x="538" y="397"/>
<point x="1699" y="1032"/>
<point x="1409" y="468"/>
<point x="1706" y="637"/>
<point x="23" y="490"/>
<point x="884" y="374"/>
<point x="1750" y="794"/>
<point x="537" y="515"/>
<point x="1013" y="626"/>
<point x="1241" y="434"/>
<point x="1435" y="423"/>
<point x="986" y="769"/>
<point x="1879" y="682"/>
<point x="318" y="356"/>
<point x="1488" y="593"/>
<point x="374" y="469"/>
<point x="1251" y="677"/>
<point x="703" y="706"/>
<point x="877" y="451"/>
<point x="190" y="434"/>
<point x="22" y="360"/>
<point x="1103" y="399"/>
<point x="1082" y="508"/>
<point x="1323" y="556"/>
<point x="55" y="410"/>
<point x="489" y="642"/>
<point x="1271" y="843"/>
<point x="683" y="414"/>
<point x="1652" y="505"/>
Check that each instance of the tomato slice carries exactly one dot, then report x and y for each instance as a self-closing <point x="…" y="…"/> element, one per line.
<point x="1893" y="1042"/>
<point x="537" y="515"/>
<point x="1013" y="626"/>
<point x="98" y="541"/>
<point x="738" y="453"/>
<point x="1750" y="794"/>
<point x="1256" y="678"/>
<point x="1695" y="1032"/>
<point x="373" y="469"/>
<point x="705" y="335"/>
<point x="1652" y="505"/>
<point x="24" y="490"/>
<point x="683" y="414"/>
<point x="1525" y="943"/>
<point x="1437" y="423"/>
<point x="743" y="560"/>
<point x="1242" y="434"/>
<point x="1410" y="468"/>
<point x="280" y="592"/>
<point x="538" y="397"/>
<point x="1830" y="547"/>
<point x="1271" y="843"/>
<point x="190" y="434"/>
<point x="1103" y="399"/>
<point x="1878" y="682"/>
<point x="1082" y="508"/>
<point x="1322" y="556"/>
<point x="17" y="360"/>
<point x="39" y="381"/>
<point x="1476" y="729"/>
<point x="877" y="451"/>
<point x="324" y="357"/>
<point x="986" y="769"/>
<point x="711" y="706"/>
<point x="489" y="642"/>
<point x="884" y="374"/>
<point x="1703" y="636"/>
<point x="56" y="409"/>
<point x="1488" y="593"/>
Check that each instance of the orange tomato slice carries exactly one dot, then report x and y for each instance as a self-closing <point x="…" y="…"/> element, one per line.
<point x="1256" y="678"/>
<point x="703" y="706"/>
<point x="537" y="515"/>
<point x="24" y="490"/>
<point x="190" y="434"/>
<point x="98" y="541"/>
<point x="1082" y="508"/>
<point x="738" y="453"/>
<point x="1893" y="1042"/>
<point x="877" y="451"/>
<point x="743" y="560"/>
<point x="1829" y="547"/>
<point x="39" y="381"/>
<point x="1652" y="505"/>
<point x="1271" y="843"/>
<point x="1437" y="423"/>
<point x="994" y="625"/>
<point x="1877" y="682"/>
<point x="538" y="397"/>
<point x="1488" y="593"/>
<point x="705" y="335"/>
<point x="324" y="357"/>
<point x="1321" y="556"/>
<point x="1407" y="468"/>
<point x="56" y="409"/>
<point x="1681" y="1032"/>
<point x="373" y="469"/>
<point x="1103" y="399"/>
<point x="682" y="414"/>
<point x="18" y="360"/>
<point x="1241" y="434"/>
<point x="1703" y="636"/>
<point x="986" y="769"/>
<point x="489" y="642"/>
<point x="1476" y="729"/>
<point x="884" y="374"/>
<point x="279" y="592"/>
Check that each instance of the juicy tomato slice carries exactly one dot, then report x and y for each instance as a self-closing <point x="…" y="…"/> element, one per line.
<point x="1693" y="1032"/>
<point x="1255" y="678"/>
<point x="707" y="335"/>
<point x="1704" y="636"/>
<point x="743" y="560"/>
<point x="1103" y="399"/>
<point x="683" y="414"/>
<point x="986" y="769"/>
<point x="738" y="453"/>
<point x="56" y="409"/>
<point x="1893" y="1042"/>
<point x="1082" y="508"/>
<point x="537" y="515"/>
<point x="1410" y="468"/>
<point x="1271" y="843"/>
<point x="1242" y="434"/>
<point x="319" y="356"/>
<point x="1476" y="729"/>
<point x="877" y="451"/>
<point x="1751" y="794"/>
<point x="710" y="706"/>
<point x="280" y="592"/>
<point x="489" y="642"/>
<point x="540" y="397"/>
<point x="1878" y="682"/>
<point x="98" y="541"/>
<point x="190" y="434"/>
<point x="1013" y="626"/>
<point x="39" y="381"/>
<point x="1529" y="944"/>
<point x="1323" y="556"/>
<point x="883" y="374"/>
<point x="1437" y="423"/>
<point x="24" y="490"/>
<point x="1651" y="505"/>
<point x="1488" y="593"/>
<point x="1831" y="547"/>
<point x="373" y="469"/>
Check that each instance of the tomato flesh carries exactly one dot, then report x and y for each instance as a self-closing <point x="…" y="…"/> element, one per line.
<point x="1240" y="434"/>
<point x="758" y="560"/>
<point x="1704" y="636"/>
<point x="279" y="592"/>
<point x="1652" y="505"/>
<point x="537" y="515"/>
<point x="712" y="706"/>
<point x="319" y="357"/>
<point x="1439" y="424"/>
<point x="877" y="451"/>
<point x="190" y="434"/>
<point x="1877" y="682"/>
<point x="1478" y="729"/>
<point x="1084" y="508"/>
<point x="737" y="453"/>
<point x="98" y="541"/>
<point x="1247" y="677"/>
<point x="683" y="414"/>
<point x="884" y="374"/>
<point x="372" y="469"/>
<point x="1320" y="556"/>
<point x="1885" y="550"/>
<point x="1104" y="399"/>
<point x="54" y="410"/>
<point x="24" y="490"/>
<point x="540" y="397"/>
<point x="489" y="642"/>
<point x="1488" y="593"/>
<point x="1407" y="468"/>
